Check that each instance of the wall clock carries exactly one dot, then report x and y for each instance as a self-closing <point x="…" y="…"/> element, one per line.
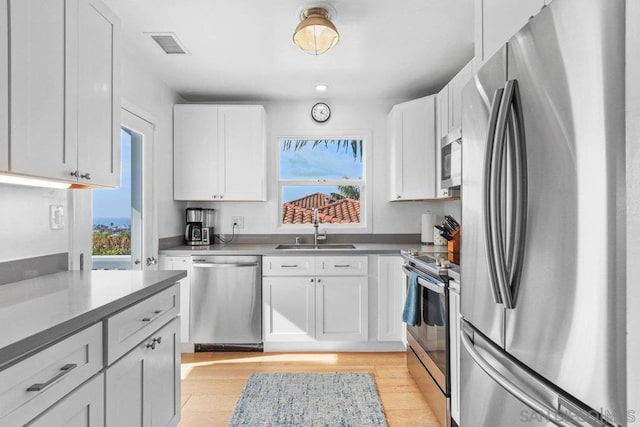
<point x="320" y="112"/>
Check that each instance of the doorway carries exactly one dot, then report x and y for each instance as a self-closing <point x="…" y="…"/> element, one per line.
<point x="122" y="234"/>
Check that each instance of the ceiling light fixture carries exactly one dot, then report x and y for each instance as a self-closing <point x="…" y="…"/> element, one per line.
<point x="315" y="34"/>
<point x="321" y="88"/>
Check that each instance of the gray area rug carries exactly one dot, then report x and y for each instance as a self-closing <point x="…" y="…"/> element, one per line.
<point x="309" y="399"/>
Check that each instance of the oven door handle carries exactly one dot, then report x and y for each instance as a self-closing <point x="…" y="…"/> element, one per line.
<point x="437" y="287"/>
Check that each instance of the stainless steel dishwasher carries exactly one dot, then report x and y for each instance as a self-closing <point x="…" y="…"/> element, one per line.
<point x="226" y="303"/>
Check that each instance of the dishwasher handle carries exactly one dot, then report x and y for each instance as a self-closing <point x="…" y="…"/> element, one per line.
<point x="221" y="265"/>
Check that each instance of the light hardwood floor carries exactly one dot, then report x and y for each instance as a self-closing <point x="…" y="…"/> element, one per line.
<point x="212" y="382"/>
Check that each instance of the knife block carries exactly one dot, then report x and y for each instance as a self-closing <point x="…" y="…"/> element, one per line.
<point x="454" y="245"/>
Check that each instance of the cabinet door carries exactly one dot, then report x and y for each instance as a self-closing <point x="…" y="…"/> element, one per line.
<point x="442" y="130"/>
<point x="289" y="308"/>
<point x="413" y="143"/>
<point x="341" y="308"/>
<point x="125" y="390"/>
<point x="143" y="388"/>
<point x="195" y="152"/>
<point x="42" y="84"/>
<point x="163" y="383"/>
<point x="82" y="408"/>
<point x="390" y="298"/>
<point x="394" y="136"/>
<point x="181" y="263"/>
<point x="456" y="85"/>
<point x="242" y="148"/>
<point x="98" y="95"/>
<point x="501" y="19"/>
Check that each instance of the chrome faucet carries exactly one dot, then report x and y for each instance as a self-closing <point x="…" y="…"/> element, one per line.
<point x="316" y="235"/>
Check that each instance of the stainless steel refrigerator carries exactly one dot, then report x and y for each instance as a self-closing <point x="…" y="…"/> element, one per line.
<point x="542" y="257"/>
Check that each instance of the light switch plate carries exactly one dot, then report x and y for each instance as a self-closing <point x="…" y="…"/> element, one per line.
<point x="56" y="217"/>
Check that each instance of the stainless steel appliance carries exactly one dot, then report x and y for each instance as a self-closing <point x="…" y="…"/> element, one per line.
<point x="199" y="228"/>
<point x="226" y="302"/>
<point x="541" y="298"/>
<point x="451" y="160"/>
<point x="428" y="341"/>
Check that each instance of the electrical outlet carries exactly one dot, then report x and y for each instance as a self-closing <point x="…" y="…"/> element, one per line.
<point x="237" y="221"/>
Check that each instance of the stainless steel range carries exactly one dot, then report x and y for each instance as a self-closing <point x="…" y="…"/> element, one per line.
<point x="428" y="335"/>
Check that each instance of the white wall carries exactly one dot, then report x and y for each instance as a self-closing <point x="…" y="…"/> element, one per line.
<point x="633" y="206"/>
<point x="24" y="222"/>
<point x="292" y="118"/>
<point x="143" y="90"/>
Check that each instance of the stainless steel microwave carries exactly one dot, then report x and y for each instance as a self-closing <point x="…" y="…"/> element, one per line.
<point x="451" y="160"/>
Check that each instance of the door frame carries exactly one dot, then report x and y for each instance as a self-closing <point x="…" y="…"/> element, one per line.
<point x="80" y="200"/>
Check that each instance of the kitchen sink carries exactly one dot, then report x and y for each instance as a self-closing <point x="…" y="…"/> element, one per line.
<point x="309" y="246"/>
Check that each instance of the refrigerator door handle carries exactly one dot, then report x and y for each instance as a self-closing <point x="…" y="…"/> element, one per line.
<point x="486" y="194"/>
<point x="542" y="408"/>
<point x="518" y="147"/>
<point x="496" y="197"/>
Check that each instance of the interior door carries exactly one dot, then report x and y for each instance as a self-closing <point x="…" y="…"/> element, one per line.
<point x="139" y="219"/>
<point x="144" y="217"/>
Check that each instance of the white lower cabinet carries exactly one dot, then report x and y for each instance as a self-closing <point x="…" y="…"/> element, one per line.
<point x="341" y="308"/>
<point x="82" y="408"/>
<point x="181" y="263"/>
<point x="391" y="292"/>
<point x="288" y="307"/>
<point x="143" y="388"/>
<point x="315" y="303"/>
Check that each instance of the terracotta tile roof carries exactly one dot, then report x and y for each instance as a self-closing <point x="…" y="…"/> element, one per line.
<point x="343" y="211"/>
<point x="315" y="200"/>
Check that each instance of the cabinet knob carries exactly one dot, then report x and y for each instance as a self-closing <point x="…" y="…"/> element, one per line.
<point x="215" y="196"/>
<point x="86" y="176"/>
<point x="152" y="345"/>
<point x="319" y="280"/>
<point x="75" y="174"/>
<point x="221" y="196"/>
<point x="398" y="196"/>
<point x="311" y="280"/>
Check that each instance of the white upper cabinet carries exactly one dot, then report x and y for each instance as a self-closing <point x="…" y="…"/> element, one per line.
<point x="498" y="20"/>
<point x="219" y="152"/>
<point x="412" y="133"/>
<point x="98" y="94"/>
<point x="63" y="95"/>
<point x="457" y="83"/>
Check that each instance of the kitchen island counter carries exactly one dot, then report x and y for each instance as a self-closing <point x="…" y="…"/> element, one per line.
<point x="37" y="312"/>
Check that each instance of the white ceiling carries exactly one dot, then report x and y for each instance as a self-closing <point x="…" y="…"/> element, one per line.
<point x="242" y="50"/>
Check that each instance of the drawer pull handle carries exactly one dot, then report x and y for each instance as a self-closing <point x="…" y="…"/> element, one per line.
<point x="289" y="265"/>
<point x="63" y="371"/>
<point x="149" y="319"/>
<point x="341" y="265"/>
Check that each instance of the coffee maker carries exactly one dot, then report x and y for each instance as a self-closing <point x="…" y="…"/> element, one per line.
<point x="199" y="228"/>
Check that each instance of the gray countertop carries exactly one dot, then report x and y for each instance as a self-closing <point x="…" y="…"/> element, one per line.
<point x="37" y="312"/>
<point x="270" y="249"/>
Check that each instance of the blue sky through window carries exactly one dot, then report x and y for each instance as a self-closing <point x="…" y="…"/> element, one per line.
<point x="330" y="161"/>
<point x="114" y="205"/>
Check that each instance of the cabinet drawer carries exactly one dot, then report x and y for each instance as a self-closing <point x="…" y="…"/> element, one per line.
<point x="127" y="328"/>
<point x="341" y="266"/>
<point x="288" y="266"/>
<point x="36" y="383"/>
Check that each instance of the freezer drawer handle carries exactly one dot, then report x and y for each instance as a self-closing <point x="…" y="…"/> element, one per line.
<point x="341" y="265"/>
<point x="543" y="409"/>
<point x="150" y="318"/>
<point x="66" y="369"/>
<point x="289" y="265"/>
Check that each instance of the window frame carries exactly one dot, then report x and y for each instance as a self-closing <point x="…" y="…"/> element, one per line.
<point x="365" y="224"/>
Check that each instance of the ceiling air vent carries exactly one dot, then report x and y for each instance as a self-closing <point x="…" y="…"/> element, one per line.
<point x="169" y="43"/>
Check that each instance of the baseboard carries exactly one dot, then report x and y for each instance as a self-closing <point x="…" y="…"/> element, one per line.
<point x="382" y="346"/>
